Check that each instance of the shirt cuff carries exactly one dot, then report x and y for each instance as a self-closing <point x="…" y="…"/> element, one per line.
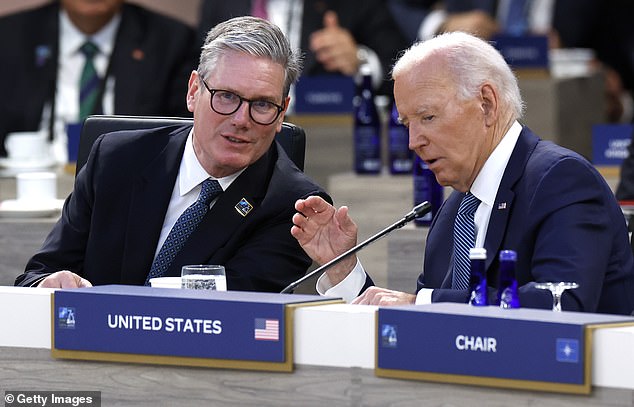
<point x="424" y="296"/>
<point x="348" y="289"/>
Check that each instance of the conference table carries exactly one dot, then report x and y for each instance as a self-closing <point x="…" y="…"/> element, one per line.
<point x="334" y="348"/>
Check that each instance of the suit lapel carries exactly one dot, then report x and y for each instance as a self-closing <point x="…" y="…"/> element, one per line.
<point x="43" y="69"/>
<point x="150" y="198"/>
<point x="220" y="223"/>
<point x="127" y="56"/>
<point x="503" y="204"/>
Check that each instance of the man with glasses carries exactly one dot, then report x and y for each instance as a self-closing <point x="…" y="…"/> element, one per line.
<point x="137" y="189"/>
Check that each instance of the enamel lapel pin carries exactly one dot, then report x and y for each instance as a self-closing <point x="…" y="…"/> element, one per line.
<point x="243" y="207"/>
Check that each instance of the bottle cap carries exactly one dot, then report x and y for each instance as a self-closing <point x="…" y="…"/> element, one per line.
<point x="478" y="253"/>
<point x="508" y="255"/>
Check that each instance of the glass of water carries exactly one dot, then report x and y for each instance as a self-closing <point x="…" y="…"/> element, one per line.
<point x="557" y="290"/>
<point x="204" y="277"/>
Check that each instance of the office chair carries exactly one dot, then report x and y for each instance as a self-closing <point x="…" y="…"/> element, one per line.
<point x="291" y="137"/>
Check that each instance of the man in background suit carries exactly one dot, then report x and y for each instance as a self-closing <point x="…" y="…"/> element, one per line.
<point x="136" y="184"/>
<point x="144" y="60"/>
<point x="337" y="36"/>
<point x="461" y="103"/>
<point x="604" y="27"/>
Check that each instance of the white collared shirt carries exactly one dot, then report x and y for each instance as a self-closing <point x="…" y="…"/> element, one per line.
<point x="70" y="64"/>
<point x="187" y="188"/>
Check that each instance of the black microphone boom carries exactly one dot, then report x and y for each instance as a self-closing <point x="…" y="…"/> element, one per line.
<point x="418" y="211"/>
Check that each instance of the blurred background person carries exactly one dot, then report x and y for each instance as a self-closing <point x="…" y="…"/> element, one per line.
<point x="604" y="27"/>
<point x="336" y="36"/>
<point x="133" y="61"/>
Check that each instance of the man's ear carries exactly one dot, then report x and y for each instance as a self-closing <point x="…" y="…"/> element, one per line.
<point x="489" y="103"/>
<point x="192" y="88"/>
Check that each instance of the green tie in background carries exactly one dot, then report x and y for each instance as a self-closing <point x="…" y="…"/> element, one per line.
<point x="89" y="82"/>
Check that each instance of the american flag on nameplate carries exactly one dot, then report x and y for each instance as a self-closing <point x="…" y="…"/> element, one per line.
<point x="267" y="329"/>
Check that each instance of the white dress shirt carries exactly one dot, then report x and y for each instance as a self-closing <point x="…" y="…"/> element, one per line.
<point x="484" y="187"/>
<point x="187" y="188"/>
<point x="70" y="64"/>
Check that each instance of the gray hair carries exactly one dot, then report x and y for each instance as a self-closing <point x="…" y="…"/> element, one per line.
<point x="471" y="62"/>
<point x="253" y="36"/>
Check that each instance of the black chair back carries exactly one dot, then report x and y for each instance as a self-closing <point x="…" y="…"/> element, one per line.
<point x="291" y="137"/>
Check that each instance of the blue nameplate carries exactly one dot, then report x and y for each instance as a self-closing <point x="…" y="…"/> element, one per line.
<point x="324" y="94"/>
<point x="610" y="143"/>
<point x="519" y="348"/>
<point x="524" y="51"/>
<point x="160" y="325"/>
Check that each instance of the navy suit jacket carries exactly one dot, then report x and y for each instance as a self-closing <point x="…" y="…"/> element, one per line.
<point x="369" y="22"/>
<point x="151" y="61"/>
<point x="110" y="224"/>
<point x="557" y="212"/>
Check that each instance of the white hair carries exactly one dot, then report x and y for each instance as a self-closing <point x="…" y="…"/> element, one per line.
<point x="471" y="62"/>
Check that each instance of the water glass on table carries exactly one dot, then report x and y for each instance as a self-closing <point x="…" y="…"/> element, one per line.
<point x="204" y="277"/>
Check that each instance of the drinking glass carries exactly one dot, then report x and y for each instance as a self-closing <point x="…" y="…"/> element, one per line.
<point x="556" y="290"/>
<point x="204" y="277"/>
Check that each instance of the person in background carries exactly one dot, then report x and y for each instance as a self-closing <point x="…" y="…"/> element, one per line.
<point x="604" y="27"/>
<point x="131" y="214"/>
<point x="337" y="36"/>
<point x="138" y="60"/>
<point x="512" y="191"/>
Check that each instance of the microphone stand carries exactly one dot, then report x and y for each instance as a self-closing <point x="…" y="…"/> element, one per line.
<point x="418" y="211"/>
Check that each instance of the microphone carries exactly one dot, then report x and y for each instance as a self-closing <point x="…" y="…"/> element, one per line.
<point x="419" y="210"/>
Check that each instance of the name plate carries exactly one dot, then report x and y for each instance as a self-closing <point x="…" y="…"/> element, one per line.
<point x="524" y="51"/>
<point x="610" y="143"/>
<point x="232" y="329"/>
<point x="324" y="94"/>
<point x="520" y="348"/>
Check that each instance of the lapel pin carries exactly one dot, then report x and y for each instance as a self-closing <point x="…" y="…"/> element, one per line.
<point x="502" y="205"/>
<point x="138" y="54"/>
<point x="42" y="54"/>
<point x="243" y="207"/>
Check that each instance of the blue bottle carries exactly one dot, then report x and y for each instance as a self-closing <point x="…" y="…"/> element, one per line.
<point x="426" y="188"/>
<point x="367" y="129"/>
<point x="508" y="296"/>
<point x="478" y="280"/>
<point x="401" y="158"/>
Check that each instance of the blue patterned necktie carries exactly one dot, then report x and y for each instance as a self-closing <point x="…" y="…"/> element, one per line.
<point x="463" y="240"/>
<point x="184" y="226"/>
<point x="89" y="82"/>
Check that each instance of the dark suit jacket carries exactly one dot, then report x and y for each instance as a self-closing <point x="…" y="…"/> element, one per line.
<point x="110" y="224"/>
<point x="369" y="22"/>
<point x="563" y="221"/>
<point x="150" y="62"/>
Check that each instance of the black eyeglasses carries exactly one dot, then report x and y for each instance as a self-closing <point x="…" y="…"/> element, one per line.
<point x="226" y="103"/>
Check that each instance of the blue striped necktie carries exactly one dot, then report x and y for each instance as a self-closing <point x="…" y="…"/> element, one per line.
<point x="463" y="240"/>
<point x="184" y="226"/>
<point x="89" y="82"/>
